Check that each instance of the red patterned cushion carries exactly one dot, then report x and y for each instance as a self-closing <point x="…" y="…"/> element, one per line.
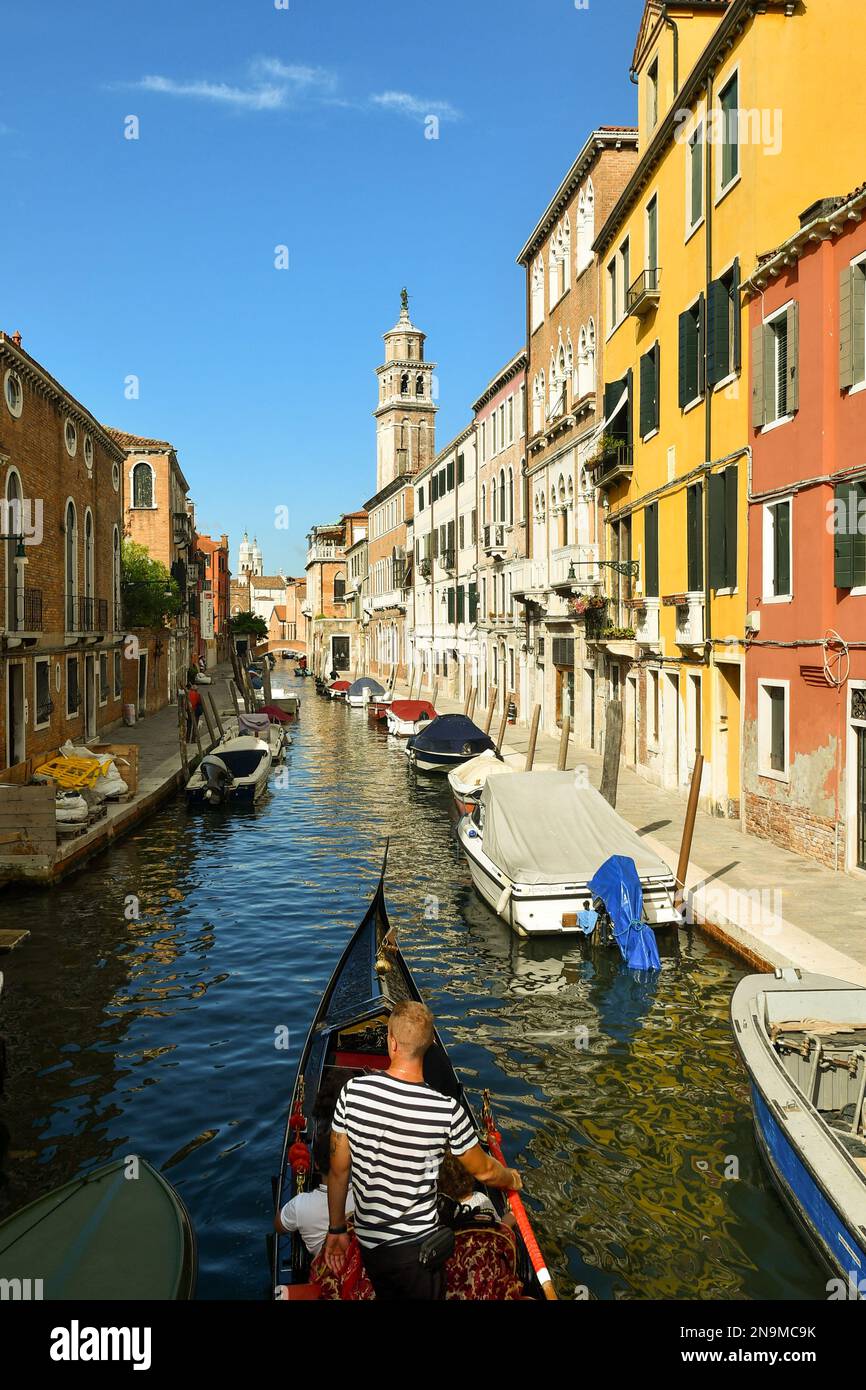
<point x="483" y="1266"/>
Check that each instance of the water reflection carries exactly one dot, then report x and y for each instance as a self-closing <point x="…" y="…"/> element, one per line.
<point x="143" y="1012"/>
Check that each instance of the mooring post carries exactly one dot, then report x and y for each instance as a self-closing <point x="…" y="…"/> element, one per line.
<point x="689" y="829"/>
<point x="612" y="750"/>
<point x="211" y="727"/>
<point x="503" y="723"/>
<point x="181" y="733"/>
<point x="491" y="706"/>
<point x="563" y="742"/>
<point x="533" y="735"/>
<point x="471" y="709"/>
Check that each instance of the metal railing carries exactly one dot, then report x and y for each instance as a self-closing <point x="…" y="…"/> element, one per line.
<point x="645" y="287"/>
<point x="22" y="610"/>
<point x="86" y="614"/>
<point x="494" y="537"/>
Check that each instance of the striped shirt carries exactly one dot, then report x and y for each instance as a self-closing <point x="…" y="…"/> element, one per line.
<point x="398" y="1132"/>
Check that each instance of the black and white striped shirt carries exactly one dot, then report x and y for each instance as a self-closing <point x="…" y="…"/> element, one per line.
<point x="398" y="1131"/>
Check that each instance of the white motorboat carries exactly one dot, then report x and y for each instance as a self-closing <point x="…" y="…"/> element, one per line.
<point x="363" y="690"/>
<point x="258" y="725"/>
<point x="468" y="780"/>
<point x="408" y="717"/>
<point x="537" y="838"/>
<point x="236" y="772"/>
<point x="802" y="1039"/>
<point x="444" y="742"/>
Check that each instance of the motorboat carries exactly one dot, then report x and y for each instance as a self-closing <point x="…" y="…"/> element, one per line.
<point x="408" y="717"/>
<point x="270" y="731"/>
<point x="467" y="781"/>
<point x="336" y="690"/>
<point x="235" y="772"/>
<point x="802" y="1040"/>
<point x="445" y="741"/>
<point x="362" y="691"/>
<point x="535" y="841"/>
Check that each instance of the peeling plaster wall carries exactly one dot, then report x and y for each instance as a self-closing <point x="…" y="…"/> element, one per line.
<point x="799" y="814"/>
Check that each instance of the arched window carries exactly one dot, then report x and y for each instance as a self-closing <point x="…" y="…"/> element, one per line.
<point x="537" y="295"/>
<point x="115" y="579"/>
<point x="88" y="554"/>
<point x="419" y="386"/>
<point x="71" y="567"/>
<point x="590" y="356"/>
<point x="581" y="386"/>
<point x="142" y="485"/>
<point x="510" y="517"/>
<point x="503" y="516"/>
<point x="404" y="384"/>
<point x="14" y="528"/>
<point x="585" y="226"/>
<point x="553" y="273"/>
<point x="565" y="270"/>
<point x="538" y="403"/>
<point x="483" y="505"/>
<point x="339" y="587"/>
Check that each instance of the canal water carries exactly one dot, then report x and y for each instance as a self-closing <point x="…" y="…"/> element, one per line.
<point x="143" y="1015"/>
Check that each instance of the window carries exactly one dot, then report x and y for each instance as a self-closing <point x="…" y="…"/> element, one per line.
<point x="723" y="512"/>
<point x="850" y="535"/>
<point x="537" y="295"/>
<point x="776" y="367"/>
<point x="695" y="538"/>
<point x="88" y="452"/>
<point x="585" y="227"/>
<point x="142" y="485"/>
<point x="652" y="241"/>
<point x="71" y="541"/>
<point x="691" y="344"/>
<point x="613" y="307"/>
<point x="115" y="477"/>
<point x="420" y="499"/>
<point x="653" y="707"/>
<point x="728" y="107"/>
<point x="522" y="409"/>
<point x="339" y="588"/>
<point x="70" y="438"/>
<point x="777" y="549"/>
<point x="852" y="326"/>
<point x="651" y="550"/>
<point x="773" y="715"/>
<point x="42" y="693"/>
<point x="461" y="533"/>
<point x="73" y="698"/>
<point x="723" y="326"/>
<point x="652" y="95"/>
<point x="625" y="272"/>
<point x="461" y="469"/>
<point x="695" y="173"/>
<point x="650" y="369"/>
<point x="103" y="678"/>
<point x="13" y="393"/>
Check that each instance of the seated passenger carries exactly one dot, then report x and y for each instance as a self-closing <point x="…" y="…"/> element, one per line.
<point x="308" y="1212"/>
<point x="459" y="1187"/>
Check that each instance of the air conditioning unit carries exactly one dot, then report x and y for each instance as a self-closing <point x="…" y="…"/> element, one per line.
<point x="753" y="620"/>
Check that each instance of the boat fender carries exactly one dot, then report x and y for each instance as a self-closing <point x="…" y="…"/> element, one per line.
<point x="299" y="1157"/>
<point x="504" y="900"/>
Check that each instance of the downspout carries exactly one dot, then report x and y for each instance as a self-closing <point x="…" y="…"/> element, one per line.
<point x="708" y="394"/>
<point x="676" y="33"/>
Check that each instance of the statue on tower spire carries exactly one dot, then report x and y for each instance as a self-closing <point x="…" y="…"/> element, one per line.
<point x="404" y="300"/>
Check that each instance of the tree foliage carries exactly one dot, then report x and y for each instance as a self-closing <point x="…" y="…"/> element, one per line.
<point x="249" y="624"/>
<point x="150" y="595"/>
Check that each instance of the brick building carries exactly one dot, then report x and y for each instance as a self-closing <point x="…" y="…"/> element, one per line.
<point x="61" y="650"/>
<point x="564" y="411"/>
<point x="332" y="630"/>
<point x="214" y="597"/>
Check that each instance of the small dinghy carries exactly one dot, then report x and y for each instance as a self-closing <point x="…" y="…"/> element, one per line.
<point x="535" y="841"/>
<point x="802" y="1039"/>
<point x="362" y="691"/>
<point x="260" y="725"/>
<point x="446" y="741"/>
<point x="408" y="717"/>
<point x="112" y="1234"/>
<point x="235" y="773"/>
<point x="467" y="781"/>
<point x="348" y="1037"/>
<point x="337" y="689"/>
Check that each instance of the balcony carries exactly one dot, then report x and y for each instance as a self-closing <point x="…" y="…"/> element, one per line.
<point x="22" y="611"/>
<point x="448" y="560"/>
<point x="646" y="621"/>
<point x="425" y="567"/>
<point x="643" y="293"/>
<point x="529" y="577"/>
<point x="575" y="567"/>
<point x="86" y="615"/>
<point x="181" y="526"/>
<point x="494" y="540"/>
<point x="613" y="462"/>
<point x="689" y="619"/>
<point x="324" y="550"/>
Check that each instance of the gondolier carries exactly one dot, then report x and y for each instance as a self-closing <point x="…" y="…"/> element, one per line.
<point x="390" y="1130"/>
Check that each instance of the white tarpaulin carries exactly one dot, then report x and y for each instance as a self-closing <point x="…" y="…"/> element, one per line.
<point x="542" y="827"/>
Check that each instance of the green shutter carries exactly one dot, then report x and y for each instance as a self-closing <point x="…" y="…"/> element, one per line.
<point x="782" y="548"/>
<point x="858" y="321"/>
<point x="701" y="364"/>
<point x="449" y="477"/>
<point x="461" y="468"/>
<point x="846" y="336"/>
<point x="758" y="417"/>
<point x="845" y="511"/>
<point x="859" y="575"/>
<point x="717" y="530"/>
<point x="719" y="307"/>
<point x="684" y="339"/>
<point x="629" y="382"/>
<point x="473" y="602"/>
<point x="770" y="351"/>
<point x="793" y="317"/>
<point x="732" y="511"/>
<point x="647" y="393"/>
<point x="651" y="550"/>
<point x="737" y="312"/>
<point x="420" y="499"/>
<point x="451" y="605"/>
<point x="695" y="538"/>
<point x="461" y="605"/>
<point x="450" y="545"/>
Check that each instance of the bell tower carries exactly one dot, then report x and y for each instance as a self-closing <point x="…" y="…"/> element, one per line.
<point x="406" y="414"/>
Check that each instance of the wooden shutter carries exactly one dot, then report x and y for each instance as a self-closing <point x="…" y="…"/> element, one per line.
<point x="793" y="328"/>
<point x="770" y="354"/>
<point x="694" y="538"/>
<point x="647" y="388"/>
<point x="758" y="417"/>
<point x="450" y="545"/>
<point x="846" y="335"/>
<point x="450" y="605"/>
<point x="718" y="309"/>
<point x="781" y="548"/>
<point x="461" y="604"/>
<point x="858" y="321"/>
<point x="845" y="511"/>
<point x="629" y="407"/>
<point x="651" y="550"/>
<point x="473" y="602"/>
<point x="717" y="530"/>
<point x="684" y="337"/>
<point x="701" y="346"/>
<point x="736" y="312"/>
<point x="732" y="509"/>
<point x="420" y="499"/>
<point x="449" y="477"/>
<point x="461" y="468"/>
<point x="435" y="543"/>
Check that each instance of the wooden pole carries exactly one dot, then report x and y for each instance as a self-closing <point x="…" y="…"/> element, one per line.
<point x="689" y="828"/>
<point x="411" y="683"/>
<point x="181" y="733"/>
<point x="266" y="677"/>
<point x="233" y="691"/>
<point x="211" y="727"/>
<point x="503" y="724"/>
<point x="612" y="750"/>
<point x="469" y="690"/>
<point x="563" y="743"/>
<point x="471" y="709"/>
<point x="435" y="692"/>
<point x="214" y="711"/>
<point x="491" y="706"/>
<point x="197" y="732"/>
<point x="533" y="736"/>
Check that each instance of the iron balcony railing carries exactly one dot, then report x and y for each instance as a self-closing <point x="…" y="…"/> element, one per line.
<point x="643" y="293"/>
<point x="613" y="462"/>
<point x="22" y="610"/>
<point x="86" y="614"/>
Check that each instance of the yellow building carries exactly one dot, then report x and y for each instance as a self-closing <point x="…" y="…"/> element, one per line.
<point x="737" y="137"/>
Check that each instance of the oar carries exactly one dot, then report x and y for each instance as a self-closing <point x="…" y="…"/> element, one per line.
<point x="517" y="1207"/>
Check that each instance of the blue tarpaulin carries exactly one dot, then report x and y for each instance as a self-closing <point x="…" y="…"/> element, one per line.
<point x="452" y="733"/>
<point x="618" y="886"/>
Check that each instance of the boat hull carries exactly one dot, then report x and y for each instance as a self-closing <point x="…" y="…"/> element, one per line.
<point x="427" y="761"/>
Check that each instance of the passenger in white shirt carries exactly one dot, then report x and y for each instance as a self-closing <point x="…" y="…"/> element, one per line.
<point x="308" y="1212"/>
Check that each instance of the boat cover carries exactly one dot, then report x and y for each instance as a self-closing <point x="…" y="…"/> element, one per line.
<point x="276" y="715"/>
<point x="468" y="777"/>
<point x="412" y="710"/>
<point x="546" y="827"/>
<point x="257" y="725"/>
<point x="618" y="886"/>
<point x="366" y="683"/>
<point x="450" y="733"/>
<point x="339" y="685"/>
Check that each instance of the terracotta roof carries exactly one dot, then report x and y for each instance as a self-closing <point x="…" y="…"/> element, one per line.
<point x="268" y="581"/>
<point x="280" y="610"/>
<point x="138" y="441"/>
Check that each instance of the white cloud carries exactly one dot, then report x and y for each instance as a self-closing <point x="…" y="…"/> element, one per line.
<point x="258" y="98"/>
<point x="416" y="108"/>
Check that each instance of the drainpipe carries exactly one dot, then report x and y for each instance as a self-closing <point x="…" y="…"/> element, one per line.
<point x="708" y="394"/>
<point x="676" y="33"/>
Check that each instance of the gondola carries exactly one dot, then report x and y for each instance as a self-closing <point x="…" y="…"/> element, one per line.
<point x="347" y="1038"/>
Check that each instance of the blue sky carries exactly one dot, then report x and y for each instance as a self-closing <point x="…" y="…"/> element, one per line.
<point x="304" y="127"/>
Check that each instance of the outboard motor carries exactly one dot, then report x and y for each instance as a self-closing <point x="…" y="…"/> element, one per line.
<point x="217" y="777"/>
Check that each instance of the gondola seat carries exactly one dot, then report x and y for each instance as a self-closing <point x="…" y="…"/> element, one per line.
<point x="483" y="1267"/>
<point x="362" y="1060"/>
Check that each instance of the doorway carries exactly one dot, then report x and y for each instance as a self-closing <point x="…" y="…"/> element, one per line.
<point x="340" y="653"/>
<point x="141" y="707"/>
<point x="727" y="780"/>
<point x="856" y="779"/>
<point x="589" y="705"/>
<point x="16" y="715"/>
<point x="671" y="719"/>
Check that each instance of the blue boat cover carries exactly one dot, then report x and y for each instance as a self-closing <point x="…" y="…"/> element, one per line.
<point x="366" y="683"/>
<point x="618" y="886"/>
<point x="450" y="733"/>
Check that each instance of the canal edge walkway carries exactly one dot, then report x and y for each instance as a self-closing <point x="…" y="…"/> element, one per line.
<point x="771" y="906"/>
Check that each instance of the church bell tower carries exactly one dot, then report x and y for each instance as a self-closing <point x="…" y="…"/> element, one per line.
<point x="406" y="414"/>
